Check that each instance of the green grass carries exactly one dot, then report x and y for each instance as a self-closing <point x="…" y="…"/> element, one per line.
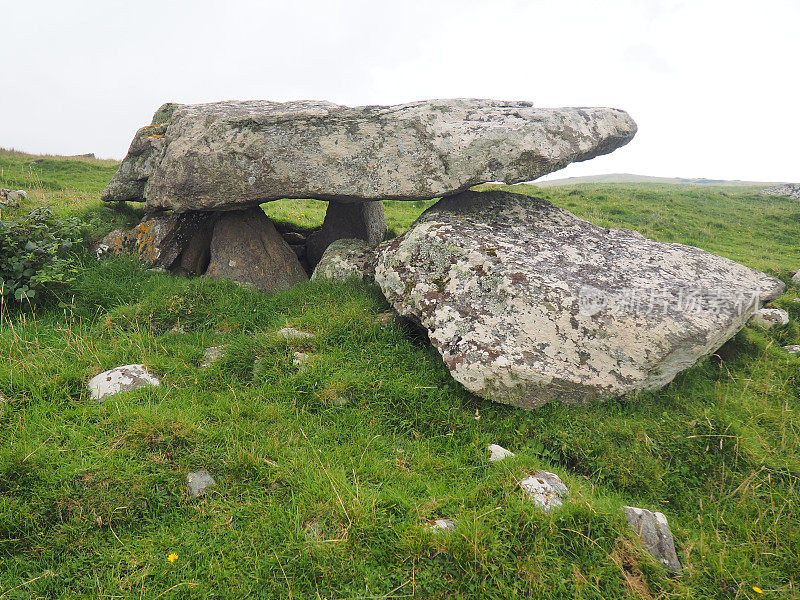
<point x="92" y="499"/>
<point x="55" y="173"/>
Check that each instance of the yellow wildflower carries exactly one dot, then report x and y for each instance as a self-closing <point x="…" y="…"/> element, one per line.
<point x="172" y="557"/>
<point x="757" y="590"/>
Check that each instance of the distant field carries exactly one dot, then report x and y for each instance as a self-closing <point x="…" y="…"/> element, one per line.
<point x="327" y="475"/>
<point x="630" y="178"/>
<point x="28" y="171"/>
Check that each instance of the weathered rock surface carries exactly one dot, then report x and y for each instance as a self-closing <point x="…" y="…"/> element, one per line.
<point x="527" y="303"/>
<point x="441" y="525"/>
<point x="653" y="530"/>
<point x="770" y="317"/>
<point x="197" y="482"/>
<point x="498" y="453"/>
<point x="796" y="277"/>
<point x="346" y="258"/>
<point x="12" y="197"/>
<point x="145" y="151"/>
<point x="160" y="238"/>
<point x="212" y="355"/>
<point x="545" y="489"/>
<point x="290" y="333"/>
<point x="347" y="220"/>
<point x="246" y="247"/>
<point x="236" y="154"/>
<point x="785" y="189"/>
<point x="120" y="379"/>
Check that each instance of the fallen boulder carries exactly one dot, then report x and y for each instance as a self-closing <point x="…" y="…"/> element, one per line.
<point x="235" y="154"/>
<point x="345" y="259"/>
<point x="527" y="303"/>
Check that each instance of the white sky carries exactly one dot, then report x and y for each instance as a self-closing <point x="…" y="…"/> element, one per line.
<point x="713" y="85"/>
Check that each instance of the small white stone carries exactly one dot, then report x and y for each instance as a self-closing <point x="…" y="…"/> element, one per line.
<point x="300" y="358"/>
<point x="498" y="453"/>
<point x="769" y="317"/>
<point x="120" y="379"/>
<point x="212" y="355"/>
<point x="438" y="525"/>
<point x="792" y="349"/>
<point x="545" y="489"/>
<point x="290" y="333"/>
<point x="197" y="482"/>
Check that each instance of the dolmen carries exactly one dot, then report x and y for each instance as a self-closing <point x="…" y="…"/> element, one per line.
<point x="525" y="302"/>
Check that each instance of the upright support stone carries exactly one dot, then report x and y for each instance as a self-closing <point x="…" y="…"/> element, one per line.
<point x="246" y="247"/>
<point x="347" y="220"/>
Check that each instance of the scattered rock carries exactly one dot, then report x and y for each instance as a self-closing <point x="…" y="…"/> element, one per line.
<point x="439" y="525"/>
<point x="384" y="318"/>
<point x="792" y="349"/>
<point x="12" y="197"/>
<point x="246" y="248"/>
<point x="769" y="317"/>
<point x="346" y="258"/>
<point x="212" y="355"/>
<point x="653" y="529"/>
<point x="527" y="303"/>
<point x="300" y="358"/>
<point x="120" y="379"/>
<point x="290" y="333"/>
<point x="498" y="453"/>
<point x="339" y="401"/>
<point x="313" y="531"/>
<point x="792" y="190"/>
<point x="347" y="220"/>
<point x="197" y="482"/>
<point x="545" y="489"/>
<point x="796" y="277"/>
<point x="235" y="154"/>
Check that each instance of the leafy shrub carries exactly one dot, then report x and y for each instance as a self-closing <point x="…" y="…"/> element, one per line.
<point x="35" y="253"/>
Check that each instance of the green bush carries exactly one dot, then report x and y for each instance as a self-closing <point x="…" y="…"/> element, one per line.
<point x="36" y="253"/>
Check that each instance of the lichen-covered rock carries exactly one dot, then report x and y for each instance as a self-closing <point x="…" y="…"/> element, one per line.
<point x="346" y="259"/>
<point x="770" y="317"/>
<point x="246" y="248"/>
<point x="441" y="525"/>
<point x="12" y="197"/>
<point x="653" y="530"/>
<point x="120" y="379"/>
<point x="796" y="277"/>
<point x="235" y="154"/>
<point x="145" y="151"/>
<point x="347" y="220"/>
<point x="197" y="482"/>
<point x="527" y="303"/>
<point x="545" y="489"/>
<point x="113" y="243"/>
<point x="161" y="238"/>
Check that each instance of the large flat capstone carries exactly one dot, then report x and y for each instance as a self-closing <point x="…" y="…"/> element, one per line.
<point x="527" y="303"/>
<point x="235" y="154"/>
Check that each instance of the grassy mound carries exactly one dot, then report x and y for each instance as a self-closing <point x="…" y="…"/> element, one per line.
<point x="328" y="473"/>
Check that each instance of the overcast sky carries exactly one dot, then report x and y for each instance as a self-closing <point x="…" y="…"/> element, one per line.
<point x="712" y="84"/>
